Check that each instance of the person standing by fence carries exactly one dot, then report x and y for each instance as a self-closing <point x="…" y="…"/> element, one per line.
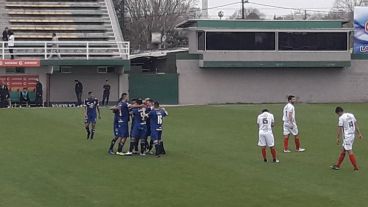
<point x="39" y="91"/>
<point x="78" y="91"/>
<point x="11" y="43"/>
<point x="54" y="46"/>
<point x="106" y="93"/>
<point x="5" y="36"/>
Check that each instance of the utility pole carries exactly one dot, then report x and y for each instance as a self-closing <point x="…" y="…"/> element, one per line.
<point x="243" y="8"/>
<point x="305" y="15"/>
<point x="123" y="17"/>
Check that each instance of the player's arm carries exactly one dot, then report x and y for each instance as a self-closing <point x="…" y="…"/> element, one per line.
<point x="339" y="132"/>
<point x="290" y="117"/>
<point x="166" y="113"/>
<point x="360" y="136"/>
<point x="98" y="111"/>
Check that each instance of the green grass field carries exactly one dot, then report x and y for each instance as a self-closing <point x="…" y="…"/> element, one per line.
<point x="212" y="160"/>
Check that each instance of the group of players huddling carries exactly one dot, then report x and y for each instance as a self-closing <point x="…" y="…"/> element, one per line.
<point x="147" y="119"/>
<point x="346" y="130"/>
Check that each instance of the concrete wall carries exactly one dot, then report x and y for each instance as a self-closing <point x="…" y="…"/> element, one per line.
<point x="271" y="85"/>
<point x="62" y="84"/>
<point x="276" y="56"/>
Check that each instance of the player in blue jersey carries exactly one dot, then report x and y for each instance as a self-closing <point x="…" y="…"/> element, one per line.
<point x="149" y="106"/>
<point x="139" y="127"/>
<point x="121" y="120"/>
<point x="156" y="120"/>
<point x="91" y="110"/>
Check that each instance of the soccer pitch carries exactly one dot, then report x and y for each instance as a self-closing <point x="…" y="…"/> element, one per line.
<point x="212" y="160"/>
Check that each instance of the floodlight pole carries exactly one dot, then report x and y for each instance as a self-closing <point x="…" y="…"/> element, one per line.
<point x="243" y="8"/>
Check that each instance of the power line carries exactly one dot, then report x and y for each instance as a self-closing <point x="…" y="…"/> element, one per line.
<point x="288" y="8"/>
<point x="224" y="5"/>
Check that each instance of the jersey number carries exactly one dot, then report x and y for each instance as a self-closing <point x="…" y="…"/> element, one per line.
<point x="265" y="121"/>
<point x="351" y="124"/>
<point x="159" y="119"/>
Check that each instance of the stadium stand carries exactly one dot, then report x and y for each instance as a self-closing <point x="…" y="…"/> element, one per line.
<point x="92" y="21"/>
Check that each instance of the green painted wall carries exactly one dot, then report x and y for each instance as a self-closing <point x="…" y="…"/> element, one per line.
<point x="261" y="24"/>
<point x="161" y="87"/>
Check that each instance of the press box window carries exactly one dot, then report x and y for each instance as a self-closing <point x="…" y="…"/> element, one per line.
<point x="313" y="41"/>
<point x="65" y="69"/>
<point x="240" y="41"/>
<point x="201" y="40"/>
<point x="105" y="69"/>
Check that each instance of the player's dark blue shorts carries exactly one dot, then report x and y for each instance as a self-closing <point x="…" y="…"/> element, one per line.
<point x="139" y="132"/>
<point x="91" y="118"/>
<point x="148" y="132"/>
<point x="156" y="134"/>
<point x="121" y="130"/>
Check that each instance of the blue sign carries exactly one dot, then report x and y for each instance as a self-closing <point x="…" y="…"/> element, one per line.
<point x="361" y="30"/>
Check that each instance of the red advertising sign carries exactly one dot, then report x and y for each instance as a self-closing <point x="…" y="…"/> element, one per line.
<point x="18" y="82"/>
<point x="20" y="63"/>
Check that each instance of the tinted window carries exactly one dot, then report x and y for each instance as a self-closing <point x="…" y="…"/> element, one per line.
<point x="240" y="41"/>
<point x="328" y="41"/>
<point x="201" y="40"/>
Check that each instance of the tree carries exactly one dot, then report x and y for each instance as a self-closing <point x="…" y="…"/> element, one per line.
<point x="144" y="17"/>
<point x="348" y="5"/>
<point x="250" y="13"/>
<point x="344" y="9"/>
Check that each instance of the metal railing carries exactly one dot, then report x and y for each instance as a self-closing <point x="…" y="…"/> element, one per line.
<point x="67" y="49"/>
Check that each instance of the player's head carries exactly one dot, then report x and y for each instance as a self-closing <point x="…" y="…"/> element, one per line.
<point x="24" y="89"/>
<point x="6" y="28"/>
<point x="156" y="105"/>
<point x="107" y="81"/>
<point x="76" y="81"/>
<point x="265" y="110"/>
<point x="339" y="110"/>
<point x="139" y="101"/>
<point x="124" y="96"/>
<point x="133" y="101"/>
<point x="90" y="94"/>
<point x="291" y="99"/>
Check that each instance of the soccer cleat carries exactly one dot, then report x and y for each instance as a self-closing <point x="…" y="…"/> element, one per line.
<point x="287" y="151"/>
<point x="276" y="161"/>
<point x="265" y="160"/>
<point x="143" y="154"/>
<point x="88" y="134"/>
<point x="356" y="169"/>
<point x="128" y="154"/>
<point x="111" y="152"/>
<point x="120" y="153"/>
<point x="300" y="150"/>
<point x="335" y="167"/>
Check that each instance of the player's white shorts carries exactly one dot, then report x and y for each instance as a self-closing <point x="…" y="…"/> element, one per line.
<point x="348" y="142"/>
<point x="266" y="139"/>
<point x="290" y="129"/>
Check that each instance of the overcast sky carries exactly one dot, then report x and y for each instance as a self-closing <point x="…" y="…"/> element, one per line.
<point x="320" y="5"/>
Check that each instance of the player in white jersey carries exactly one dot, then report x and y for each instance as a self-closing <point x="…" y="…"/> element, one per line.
<point x="346" y="130"/>
<point x="265" y="123"/>
<point x="290" y="126"/>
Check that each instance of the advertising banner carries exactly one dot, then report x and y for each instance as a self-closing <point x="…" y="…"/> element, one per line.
<point x="16" y="83"/>
<point x="361" y="30"/>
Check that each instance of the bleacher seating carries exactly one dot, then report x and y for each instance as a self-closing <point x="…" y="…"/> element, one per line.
<point x="71" y="20"/>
